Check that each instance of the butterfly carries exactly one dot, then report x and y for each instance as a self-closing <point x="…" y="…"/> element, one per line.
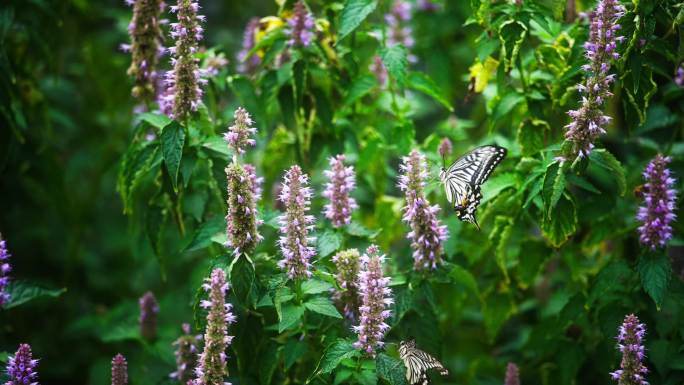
<point x="418" y="362"/>
<point x="462" y="180"/>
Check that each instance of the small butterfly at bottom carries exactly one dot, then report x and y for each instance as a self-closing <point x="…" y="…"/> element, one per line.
<point x="463" y="179"/>
<point x="418" y="362"/>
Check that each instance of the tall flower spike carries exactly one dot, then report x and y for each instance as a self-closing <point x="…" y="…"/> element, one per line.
<point x="659" y="204"/>
<point x="149" y="308"/>
<point x="300" y="26"/>
<point x="445" y="148"/>
<point x="375" y="297"/>
<point x="427" y="233"/>
<point x="239" y="134"/>
<point x="119" y="370"/>
<point x="512" y="374"/>
<point x="399" y="31"/>
<point x="630" y="343"/>
<point x="589" y="121"/>
<point x="341" y="181"/>
<point x="212" y="368"/>
<point x="146" y="47"/>
<point x="348" y="265"/>
<point x="249" y="64"/>
<point x="5" y="269"/>
<point x="21" y="368"/>
<point x="295" y="224"/>
<point x="187" y="349"/>
<point x="184" y="93"/>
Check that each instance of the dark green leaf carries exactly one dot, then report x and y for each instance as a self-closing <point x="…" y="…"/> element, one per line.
<point x="322" y="305"/>
<point x="390" y="369"/>
<point x="554" y="185"/>
<point x="655" y="271"/>
<point x="335" y="353"/>
<point x="242" y="278"/>
<point x="606" y="160"/>
<point x="359" y="88"/>
<point x="207" y="230"/>
<point x="353" y="14"/>
<point x="531" y="134"/>
<point x="315" y="286"/>
<point x="328" y="243"/>
<point x="561" y="223"/>
<point x="290" y="316"/>
<point x="172" y="141"/>
<point x="156" y="120"/>
<point x="395" y="60"/>
<point x="22" y="291"/>
<point x="465" y="278"/>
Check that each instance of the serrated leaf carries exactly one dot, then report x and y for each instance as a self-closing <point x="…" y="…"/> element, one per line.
<point x="395" y="60"/>
<point x="294" y="350"/>
<point x="315" y="286"/>
<point x="359" y="88"/>
<point x="390" y="369"/>
<point x="172" y="141"/>
<point x="353" y="14"/>
<point x="554" y="185"/>
<point x="531" y="134"/>
<point x="137" y="162"/>
<point x="22" y="292"/>
<point x="561" y="224"/>
<point x="156" y="120"/>
<point x="207" y="230"/>
<point x="335" y="353"/>
<point x="606" y="160"/>
<point x="289" y="316"/>
<point x="655" y="272"/>
<point x="611" y="278"/>
<point x="322" y="305"/>
<point x="328" y="242"/>
<point x="423" y="83"/>
<point x="358" y="230"/>
<point x="242" y="278"/>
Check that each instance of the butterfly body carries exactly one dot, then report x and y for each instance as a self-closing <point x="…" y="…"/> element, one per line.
<point x="463" y="179"/>
<point x="418" y="362"/>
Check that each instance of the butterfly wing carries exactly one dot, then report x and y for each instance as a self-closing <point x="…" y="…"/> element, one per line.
<point x="417" y="363"/>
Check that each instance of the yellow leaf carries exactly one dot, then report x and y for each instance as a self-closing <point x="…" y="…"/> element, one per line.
<point x="483" y="72"/>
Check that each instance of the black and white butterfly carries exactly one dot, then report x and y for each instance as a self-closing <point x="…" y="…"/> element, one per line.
<point x="462" y="180"/>
<point x="418" y="362"/>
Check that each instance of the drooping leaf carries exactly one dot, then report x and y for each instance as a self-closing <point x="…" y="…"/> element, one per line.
<point x="242" y="278"/>
<point x="172" y="141"/>
<point x="322" y="305"/>
<point x="208" y="229"/>
<point x="353" y="14"/>
<point x="554" y="185"/>
<point x="395" y="60"/>
<point x="390" y="369"/>
<point x="22" y="292"/>
<point x="655" y="272"/>
<point x="561" y="223"/>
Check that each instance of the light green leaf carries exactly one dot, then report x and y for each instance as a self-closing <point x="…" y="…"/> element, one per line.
<point x="172" y="141"/>
<point x="359" y="88"/>
<point x="328" y="242"/>
<point x="353" y="14"/>
<point x="335" y="353"/>
<point x="606" y="160"/>
<point x="505" y="105"/>
<point x="358" y="230"/>
<point x="315" y="286"/>
<point x="390" y="369"/>
<point x="561" y="224"/>
<point x="290" y="316"/>
<point x="23" y="291"/>
<point x="322" y="305"/>
<point x="395" y="60"/>
<point x="423" y="83"/>
<point x="554" y="185"/>
<point x="497" y="184"/>
<point x="531" y="134"/>
<point x="207" y="230"/>
<point x="156" y="120"/>
<point x="655" y="272"/>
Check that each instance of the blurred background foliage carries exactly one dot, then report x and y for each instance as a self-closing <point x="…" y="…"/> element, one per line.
<point x="545" y="287"/>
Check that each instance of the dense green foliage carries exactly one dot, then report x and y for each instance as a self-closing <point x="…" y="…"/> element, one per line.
<point x="101" y="204"/>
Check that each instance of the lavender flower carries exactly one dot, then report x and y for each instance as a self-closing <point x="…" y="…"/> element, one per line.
<point x="212" y="368"/>
<point x="445" y="148"/>
<point x="149" y="308"/>
<point x="512" y="374"/>
<point x="214" y="63"/>
<point x="588" y="121"/>
<point x="375" y="298"/>
<point x="5" y="269"/>
<point x="399" y="32"/>
<point x="249" y="64"/>
<point x="341" y="181"/>
<point x="300" y="26"/>
<point x="238" y="135"/>
<point x="186" y="355"/>
<point x="295" y="224"/>
<point x="378" y="69"/>
<point x="347" y="296"/>
<point x="146" y="47"/>
<point x="119" y="370"/>
<point x="679" y="76"/>
<point x="630" y="343"/>
<point x="427" y="233"/>
<point x="21" y="368"/>
<point x="428" y="5"/>
<point x="184" y="94"/>
<point x="659" y="198"/>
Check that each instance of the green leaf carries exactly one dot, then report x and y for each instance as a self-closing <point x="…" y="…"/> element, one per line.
<point x="23" y="291"/>
<point x="358" y="230"/>
<point x="390" y="369"/>
<point x="123" y="332"/>
<point x="322" y="305"/>
<point x="207" y="230"/>
<point x="328" y="242"/>
<point x="561" y="224"/>
<point x="353" y="14"/>
<point x="359" y="88"/>
<point x="531" y="134"/>
<point x="554" y="185"/>
<point x="172" y="141"/>
<point x="497" y="309"/>
<point x="154" y="224"/>
<point x="290" y="316"/>
<point x="244" y="90"/>
<point x="511" y="34"/>
<point x="423" y="83"/>
<point x="395" y="60"/>
<point x="497" y="184"/>
<point x="294" y="350"/>
<point x="612" y="277"/>
<point x="655" y="272"/>
<point x="242" y="278"/>
<point x="606" y="160"/>
<point x="462" y="276"/>
<point x="335" y="353"/>
<point x="156" y="120"/>
<point x="505" y="105"/>
<point x="315" y="286"/>
<point x="137" y="162"/>
<point x="500" y="236"/>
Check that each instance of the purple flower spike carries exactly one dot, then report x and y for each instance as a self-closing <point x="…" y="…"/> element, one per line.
<point x="184" y="93"/>
<point x="5" y="269"/>
<point x="589" y="121"/>
<point x="399" y="30"/>
<point x="512" y="374"/>
<point x="300" y="26"/>
<point x="630" y="343"/>
<point x="295" y="224"/>
<point x="679" y="76"/>
<point x="348" y="265"/>
<point x="187" y="349"/>
<point x="119" y="370"/>
<point x="212" y="368"/>
<point x="146" y="47"/>
<point x="445" y="148"/>
<point x="239" y="134"/>
<point x="341" y="181"/>
<point x="21" y="368"/>
<point x="427" y="233"/>
<point x="249" y="64"/>
<point x="375" y="297"/>
<point x="149" y="308"/>
<point x="659" y="204"/>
